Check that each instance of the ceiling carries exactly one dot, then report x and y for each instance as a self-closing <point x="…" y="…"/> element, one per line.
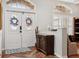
<point x="70" y="1"/>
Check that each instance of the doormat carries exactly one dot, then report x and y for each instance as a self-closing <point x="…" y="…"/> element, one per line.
<point x="27" y="54"/>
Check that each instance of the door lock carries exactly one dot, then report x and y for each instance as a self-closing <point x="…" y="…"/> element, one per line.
<point x="20" y="29"/>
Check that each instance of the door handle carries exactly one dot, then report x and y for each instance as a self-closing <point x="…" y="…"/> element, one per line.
<point x="20" y="27"/>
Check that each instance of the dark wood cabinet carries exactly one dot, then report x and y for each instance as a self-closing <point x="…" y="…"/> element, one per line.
<point x="76" y="29"/>
<point x="75" y="37"/>
<point x="71" y="38"/>
<point x="45" y="44"/>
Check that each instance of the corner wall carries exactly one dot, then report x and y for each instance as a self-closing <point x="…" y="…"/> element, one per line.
<point x="0" y="28"/>
<point x="0" y="42"/>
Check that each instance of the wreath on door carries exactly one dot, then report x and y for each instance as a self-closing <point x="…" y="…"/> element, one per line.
<point x="28" y="21"/>
<point x="14" y="21"/>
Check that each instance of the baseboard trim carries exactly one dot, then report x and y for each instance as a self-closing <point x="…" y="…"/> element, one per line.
<point x="60" y="56"/>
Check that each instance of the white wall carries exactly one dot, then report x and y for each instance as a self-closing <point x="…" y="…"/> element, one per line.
<point x="44" y="13"/>
<point x="61" y="43"/>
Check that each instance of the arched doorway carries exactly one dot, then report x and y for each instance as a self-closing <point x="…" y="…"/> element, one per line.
<point x="19" y="26"/>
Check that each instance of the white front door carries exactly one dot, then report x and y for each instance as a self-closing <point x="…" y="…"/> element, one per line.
<point x="28" y="30"/>
<point x="12" y="30"/>
<point x="19" y="34"/>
